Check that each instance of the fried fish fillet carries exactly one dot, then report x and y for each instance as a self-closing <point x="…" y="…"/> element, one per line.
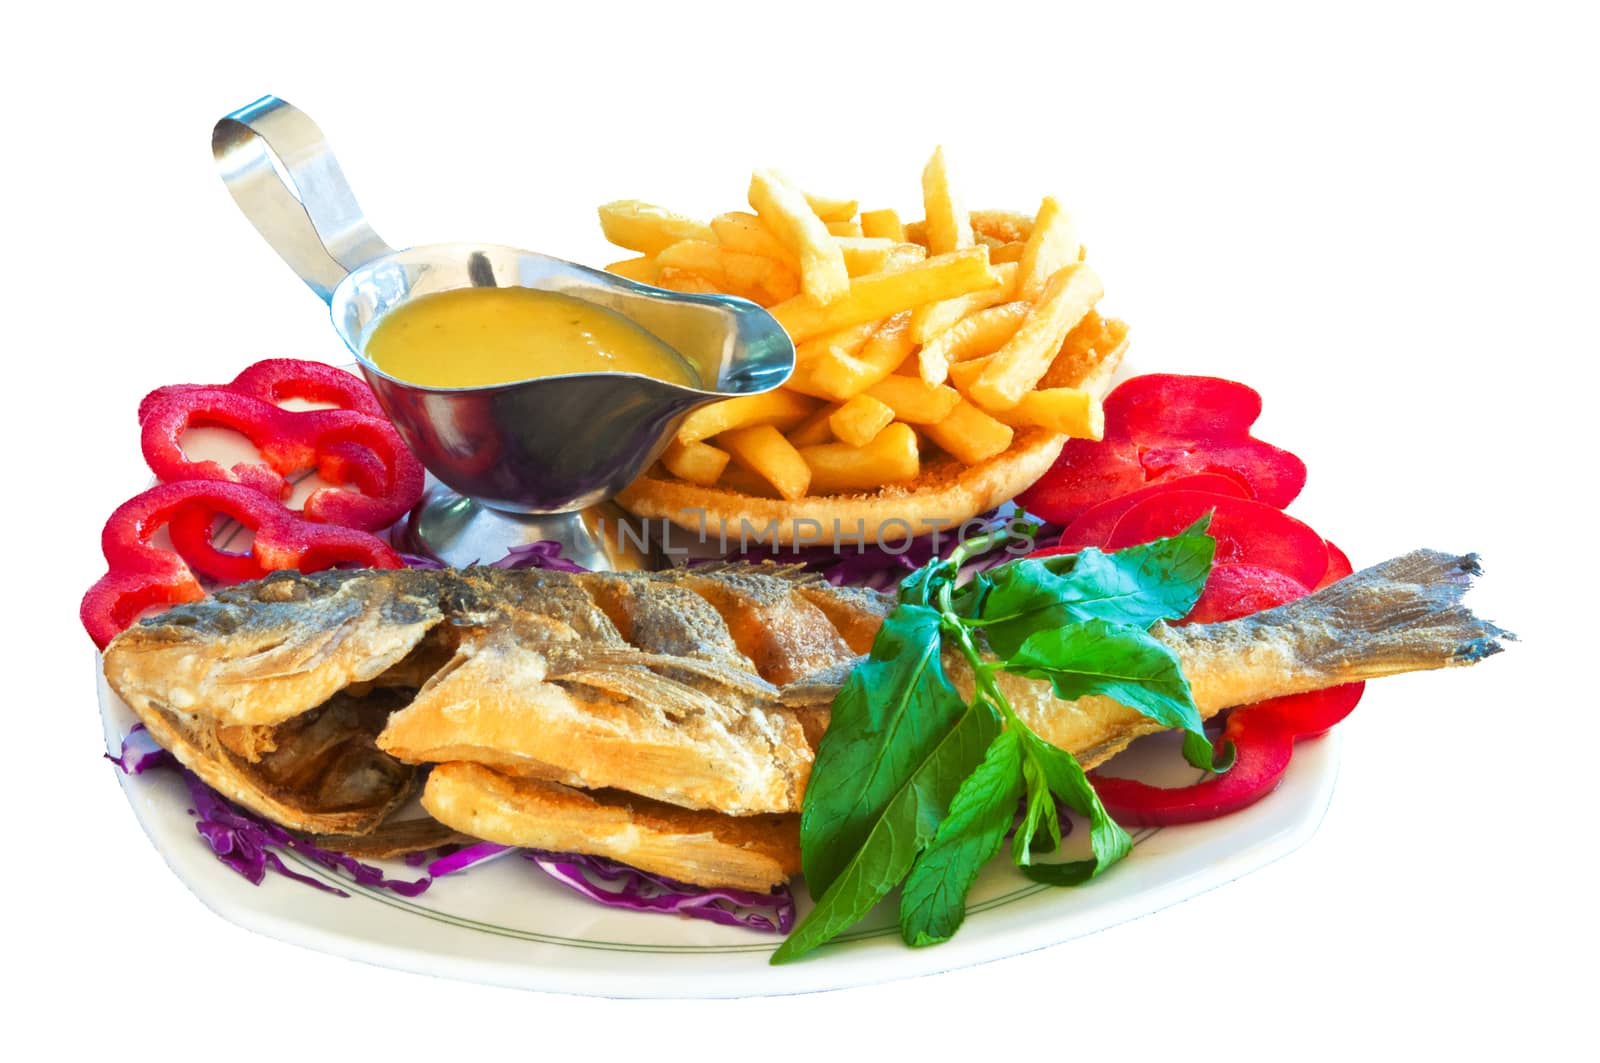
<point x="694" y="689"/>
<point x="705" y="848"/>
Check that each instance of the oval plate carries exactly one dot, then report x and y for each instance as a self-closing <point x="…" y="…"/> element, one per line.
<point x="506" y="923"/>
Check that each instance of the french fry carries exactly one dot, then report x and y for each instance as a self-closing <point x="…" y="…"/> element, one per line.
<point x="683" y="281"/>
<point x="883" y="223"/>
<point x="1019" y="365"/>
<point x="891" y="457"/>
<point x="917" y="232"/>
<point x="814" y="430"/>
<point x="841" y="376"/>
<point x="699" y="463"/>
<point x="929" y="320"/>
<point x="859" y="421"/>
<point x="849" y="340"/>
<point x="949" y="228"/>
<point x="1005" y="226"/>
<point x="1069" y="411"/>
<point x="1089" y="356"/>
<point x="844" y="228"/>
<point x="831" y="209"/>
<point x="784" y="210"/>
<point x="970" y="435"/>
<point x="746" y="481"/>
<point x="642" y="269"/>
<point x="1052" y="245"/>
<point x="979" y="333"/>
<point x="740" y="231"/>
<point x="1007" y="252"/>
<point x="646" y="228"/>
<point x="913" y="401"/>
<point x="864" y="254"/>
<point x="754" y="277"/>
<point x="962" y="374"/>
<point x="904" y="256"/>
<point x="763" y="450"/>
<point x="781" y="408"/>
<point x="880" y="295"/>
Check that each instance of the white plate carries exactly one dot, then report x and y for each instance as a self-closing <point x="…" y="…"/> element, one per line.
<point x="506" y="923"/>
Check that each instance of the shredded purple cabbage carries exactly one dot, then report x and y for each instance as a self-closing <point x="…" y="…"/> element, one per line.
<point x="621" y="886"/>
<point x="543" y="554"/>
<point x="140" y="753"/>
<point x="245" y="842"/>
<point x="464" y="858"/>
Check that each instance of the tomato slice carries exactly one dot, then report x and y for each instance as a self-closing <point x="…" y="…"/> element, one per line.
<point x="1086" y="473"/>
<point x="1093" y="526"/>
<point x="1247" y="532"/>
<point x="1338" y="567"/>
<point x="1233" y="591"/>
<point x="1273" y="475"/>
<point x="1172" y="406"/>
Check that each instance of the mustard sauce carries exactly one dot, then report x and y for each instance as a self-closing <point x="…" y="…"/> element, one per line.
<point x="469" y="337"/>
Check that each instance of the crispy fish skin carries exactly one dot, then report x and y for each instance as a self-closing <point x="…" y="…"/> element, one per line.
<point x="261" y="653"/>
<point x="664" y="685"/>
<point x="704" y="848"/>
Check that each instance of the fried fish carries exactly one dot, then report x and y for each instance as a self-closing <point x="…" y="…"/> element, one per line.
<point x="659" y="717"/>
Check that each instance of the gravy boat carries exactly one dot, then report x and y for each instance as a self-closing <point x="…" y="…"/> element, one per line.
<point x="514" y="463"/>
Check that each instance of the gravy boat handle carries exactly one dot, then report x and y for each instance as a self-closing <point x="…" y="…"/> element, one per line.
<point x="284" y="177"/>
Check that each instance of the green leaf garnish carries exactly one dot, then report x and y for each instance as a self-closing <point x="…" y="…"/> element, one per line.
<point x="916" y="784"/>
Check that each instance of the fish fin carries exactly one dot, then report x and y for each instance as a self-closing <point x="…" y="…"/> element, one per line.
<point x="1403" y="615"/>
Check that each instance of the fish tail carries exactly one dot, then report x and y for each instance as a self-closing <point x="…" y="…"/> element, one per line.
<point x="1404" y="615"/>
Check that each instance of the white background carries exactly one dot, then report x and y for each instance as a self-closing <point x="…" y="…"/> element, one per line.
<point x="1383" y="218"/>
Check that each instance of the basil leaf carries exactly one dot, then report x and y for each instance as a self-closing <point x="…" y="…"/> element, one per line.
<point x="1125" y="664"/>
<point x="1066" y="780"/>
<point x="887" y="719"/>
<point x="933" y="903"/>
<point x="1159" y="580"/>
<point x="909" y="821"/>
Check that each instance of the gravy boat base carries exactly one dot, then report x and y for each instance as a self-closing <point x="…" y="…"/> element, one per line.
<point x="451" y="528"/>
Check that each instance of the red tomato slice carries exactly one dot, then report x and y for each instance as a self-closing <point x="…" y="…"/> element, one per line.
<point x="1172" y="406"/>
<point x="1273" y="476"/>
<point x="1086" y="473"/>
<point x="1338" y="567"/>
<point x="1308" y="715"/>
<point x="1233" y="591"/>
<point x="1093" y="527"/>
<point x="1247" y="533"/>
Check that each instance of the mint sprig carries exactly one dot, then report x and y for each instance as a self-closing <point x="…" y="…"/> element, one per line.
<point x="914" y="784"/>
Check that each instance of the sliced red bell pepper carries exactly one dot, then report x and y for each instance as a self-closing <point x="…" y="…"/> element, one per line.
<point x="345" y="446"/>
<point x="1263" y="737"/>
<point x="279" y="379"/>
<point x="1164" y="426"/>
<point x="1085" y="474"/>
<point x="1094" y="525"/>
<point x="141" y="575"/>
<point x="1247" y="532"/>
<point x="1173" y="406"/>
<point x="1338" y="567"/>
<point x="1232" y="591"/>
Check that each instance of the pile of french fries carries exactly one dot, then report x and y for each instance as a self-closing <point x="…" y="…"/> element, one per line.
<point x="939" y="334"/>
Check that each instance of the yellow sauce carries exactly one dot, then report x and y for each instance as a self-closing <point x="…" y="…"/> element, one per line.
<point x="470" y="337"/>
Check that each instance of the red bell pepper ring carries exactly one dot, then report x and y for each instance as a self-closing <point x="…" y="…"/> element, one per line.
<point x="1094" y="526"/>
<point x="141" y="575"/>
<point x="1338" y="567"/>
<point x="345" y="446"/>
<point x="280" y="379"/>
<point x="1263" y="737"/>
<point x="1248" y="533"/>
<point x="1161" y="427"/>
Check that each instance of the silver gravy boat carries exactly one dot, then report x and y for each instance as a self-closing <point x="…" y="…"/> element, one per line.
<point x="514" y="463"/>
